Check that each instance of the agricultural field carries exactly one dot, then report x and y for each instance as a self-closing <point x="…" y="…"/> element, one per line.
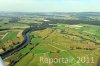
<point x="63" y="41"/>
<point x="7" y="40"/>
<point x="49" y="41"/>
<point x="10" y="34"/>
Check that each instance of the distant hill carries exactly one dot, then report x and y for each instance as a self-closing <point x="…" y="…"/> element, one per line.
<point x="29" y="14"/>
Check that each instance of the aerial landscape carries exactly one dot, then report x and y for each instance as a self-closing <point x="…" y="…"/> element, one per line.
<point x="49" y="33"/>
<point x="25" y="38"/>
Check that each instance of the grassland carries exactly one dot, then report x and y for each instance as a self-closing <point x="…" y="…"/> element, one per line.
<point x="62" y="41"/>
<point x="80" y="42"/>
<point x="9" y="36"/>
<point x="10" y="33"/>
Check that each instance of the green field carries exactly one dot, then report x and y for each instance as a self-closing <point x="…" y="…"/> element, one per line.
<point x="9" y="36"/>
<point x="64" y="42"/>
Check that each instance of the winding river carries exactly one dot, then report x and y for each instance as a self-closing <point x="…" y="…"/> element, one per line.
<point x="25" y="42"/>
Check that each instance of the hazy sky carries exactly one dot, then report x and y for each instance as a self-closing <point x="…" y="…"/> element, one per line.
<point x="50" y="5"/>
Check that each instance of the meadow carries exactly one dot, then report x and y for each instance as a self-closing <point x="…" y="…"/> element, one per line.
<point x="63" y="41"/>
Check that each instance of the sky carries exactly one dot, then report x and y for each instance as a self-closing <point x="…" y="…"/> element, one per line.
<point x="50" y="5"/>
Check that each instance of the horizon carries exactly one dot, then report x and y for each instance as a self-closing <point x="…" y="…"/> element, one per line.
<point x="43" y="12"/>
<point x="49" y="6"/>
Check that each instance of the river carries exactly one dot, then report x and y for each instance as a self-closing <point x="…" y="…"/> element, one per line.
<point x="25" y="42"/>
